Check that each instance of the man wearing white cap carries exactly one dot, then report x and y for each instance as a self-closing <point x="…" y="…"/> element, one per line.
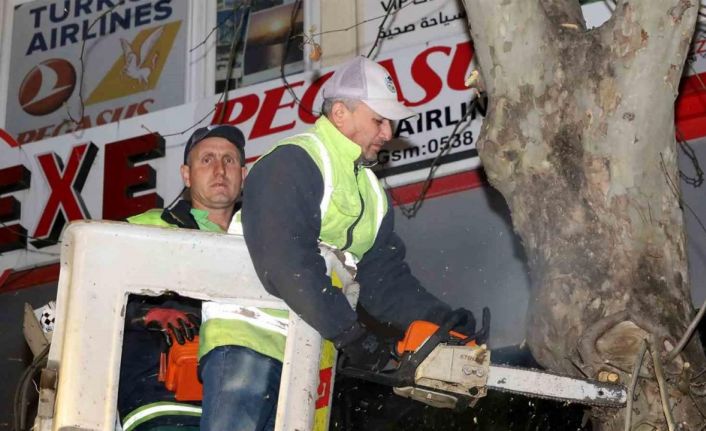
<point x="317" y="187"/>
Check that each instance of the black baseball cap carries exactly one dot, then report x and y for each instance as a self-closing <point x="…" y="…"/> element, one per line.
<point x="231" y="133"/>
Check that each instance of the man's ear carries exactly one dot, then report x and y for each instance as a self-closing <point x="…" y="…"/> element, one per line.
<point x="185" y="175"/>
<point x="339" y="113"/>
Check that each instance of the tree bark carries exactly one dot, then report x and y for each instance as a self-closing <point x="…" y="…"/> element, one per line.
<point x="579" y="139"/>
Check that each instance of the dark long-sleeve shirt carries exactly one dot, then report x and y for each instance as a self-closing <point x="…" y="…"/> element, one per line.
<point x="281" y="222"/>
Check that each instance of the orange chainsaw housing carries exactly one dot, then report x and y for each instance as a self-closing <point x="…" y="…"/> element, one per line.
<point x="419" y="332"/>
<point x="182" y="377"/>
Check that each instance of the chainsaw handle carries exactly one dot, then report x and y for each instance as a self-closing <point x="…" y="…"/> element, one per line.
<point x="395" y="378"/>
<point x="403" y="375"/>
<point x="481" y="336"/>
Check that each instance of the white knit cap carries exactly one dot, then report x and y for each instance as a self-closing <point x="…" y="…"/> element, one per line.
<point x="365" y="80"/>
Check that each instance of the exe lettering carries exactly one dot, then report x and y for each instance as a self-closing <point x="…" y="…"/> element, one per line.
<point x="122" y="179"/>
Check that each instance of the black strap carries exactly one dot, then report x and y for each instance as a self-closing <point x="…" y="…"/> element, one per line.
<point x="180" y="215"/>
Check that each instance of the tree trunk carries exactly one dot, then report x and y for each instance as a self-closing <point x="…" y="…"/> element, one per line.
<point x="579" y="139"/>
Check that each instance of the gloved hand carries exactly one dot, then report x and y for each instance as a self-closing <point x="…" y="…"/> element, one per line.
<point x="172" y="323"/>
<point x="466" y="321"/>
<point x="367" y="351"/>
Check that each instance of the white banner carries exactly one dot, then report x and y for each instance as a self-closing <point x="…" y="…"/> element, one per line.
<point x="133" y="62"/>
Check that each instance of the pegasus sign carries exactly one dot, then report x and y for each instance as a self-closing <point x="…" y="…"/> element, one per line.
<point x="53" y="91"/>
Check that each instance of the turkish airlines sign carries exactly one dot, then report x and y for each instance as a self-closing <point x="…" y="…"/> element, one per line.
<point x="54" y="91"/>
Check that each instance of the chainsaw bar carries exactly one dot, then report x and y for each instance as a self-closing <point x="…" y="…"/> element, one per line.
<point x="546" y="385"/>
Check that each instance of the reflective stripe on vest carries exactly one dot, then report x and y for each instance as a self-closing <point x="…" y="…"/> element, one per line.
<point x="252" y="315"/>
<point x="155" y="410"/>
<point x="260" y="329"/>
<point x="327" y="173"/>
<point x="380" y="196"/>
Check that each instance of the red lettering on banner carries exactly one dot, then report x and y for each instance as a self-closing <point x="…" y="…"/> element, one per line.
<point x="65" y="202"/>
<point x="324" y="389"/>
<point x="122" y="179"/>
<point x="83" y="124"/>
<point x="138" y="108"/>
<point x="9" y="140"/>
<point x="248" y="107"/>
<point x="425" y="76"/>
<point x="116" y="114"/>
<point x="42" y="133"/>
<point x="100" y="118"/>
<point x="57" y="130"/>
<point x="25" y="137"/>
<point x="272" y="103"/>
<point x="12" y="236"/>
<point x="306" y="107"/>
<point x="460" y="66"/>
<point x="107" y="116"/>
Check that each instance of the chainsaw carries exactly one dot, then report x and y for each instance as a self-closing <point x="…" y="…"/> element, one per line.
<point x="446" y="369"/>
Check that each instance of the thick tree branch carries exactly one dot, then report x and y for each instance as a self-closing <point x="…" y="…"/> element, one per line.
<point x="507" y="35"/>
<point x="565" y="13"/>
<point x="652" y="35"/>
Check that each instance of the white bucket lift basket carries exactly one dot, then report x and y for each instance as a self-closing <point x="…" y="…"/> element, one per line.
<point x="101" y="264"/>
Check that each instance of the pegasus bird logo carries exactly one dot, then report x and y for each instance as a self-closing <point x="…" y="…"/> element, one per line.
<point x="140" y="66"/>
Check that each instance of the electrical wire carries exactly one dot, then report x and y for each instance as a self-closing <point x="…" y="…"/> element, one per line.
<point x="675" y="190"/>
<point x="292" y="21"/>
<point x="688" y="151"/>
<point x="83" y="66"/>
<point x="213" y="30"/>
<point x="30" y="238"/>
<point x="21" y="400"/>
<point x="223" y="98"/>
<point x="357" y="24"/>
<point x="412" y="210"/>
<point x="244" y="8"/>
<point x="697" y="180"/>
<point x="381" y="28"/>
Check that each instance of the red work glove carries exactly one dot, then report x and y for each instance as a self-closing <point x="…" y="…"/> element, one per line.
<point x="172" y="323"/>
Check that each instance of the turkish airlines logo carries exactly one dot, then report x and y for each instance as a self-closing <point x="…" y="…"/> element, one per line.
<point x="138" y="65"/>
<point x="47" y="86"/>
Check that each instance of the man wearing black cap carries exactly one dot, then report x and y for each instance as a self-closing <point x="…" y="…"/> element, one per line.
<point x="240" y="376"/>
<point x="213" y="174"/>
